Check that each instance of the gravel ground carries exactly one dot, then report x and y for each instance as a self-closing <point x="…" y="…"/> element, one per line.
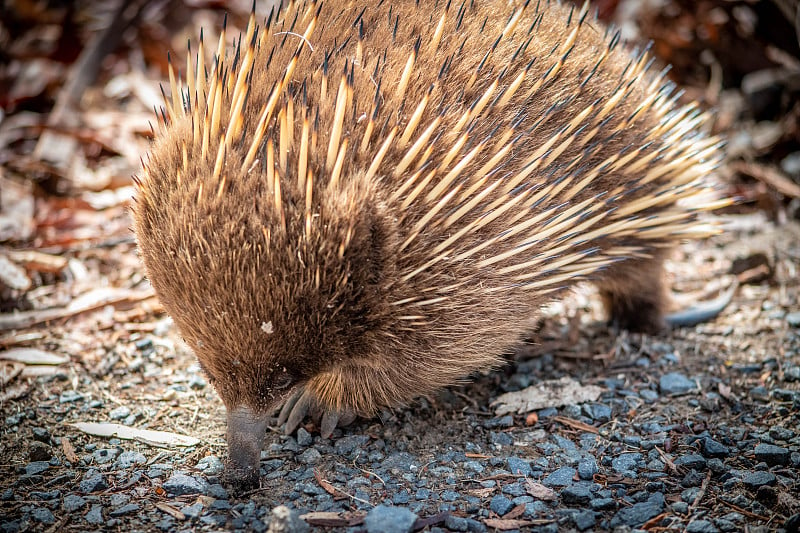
<point x="697" y="430"/>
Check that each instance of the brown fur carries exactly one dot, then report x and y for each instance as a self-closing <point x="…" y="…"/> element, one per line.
<point x="269" y="306"/>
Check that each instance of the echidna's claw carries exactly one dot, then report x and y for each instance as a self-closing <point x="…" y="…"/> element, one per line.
<point x="329" y="421"/>
<point x="301" y="404"/>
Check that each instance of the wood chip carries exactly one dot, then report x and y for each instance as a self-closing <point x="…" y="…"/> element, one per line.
<point x="170" y="510"/>
<point x="69" y="450"/>
<point x="540" y="492"/>
<point x="333" y="519"/>
<point x="38" y="261"/>
<point x="33" y="356"/>
<point x="162" y="439"/>
<point x="507" y="525"/>
<point x="550" y="393"/>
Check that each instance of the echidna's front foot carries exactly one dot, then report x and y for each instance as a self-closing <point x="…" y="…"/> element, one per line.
<point x="302" y="404"/>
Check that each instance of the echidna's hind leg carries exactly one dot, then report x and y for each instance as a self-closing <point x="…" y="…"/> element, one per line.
<point x="635" y="294"/>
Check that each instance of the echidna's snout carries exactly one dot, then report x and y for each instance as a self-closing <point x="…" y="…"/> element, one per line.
<point x="246" y="430"/>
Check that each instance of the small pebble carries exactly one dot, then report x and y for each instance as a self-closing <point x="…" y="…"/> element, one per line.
<point x="754" y="480"/>
<point x="701" y="526"/>
<point x="771" y="454"/>
<point x="119" y="413"/>
<point x="211" y="465"/>
<point x="384" y="519"/>
<point x="675" y="383"/>
<point x="560" y="478"/>
<point x="181" y="484"/>
<point x="500" y="505"/>
<point x="73" y="502"/>
<point x="95" y="515"/>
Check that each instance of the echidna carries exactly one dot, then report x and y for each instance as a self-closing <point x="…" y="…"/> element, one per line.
<point x="366" y="201"/>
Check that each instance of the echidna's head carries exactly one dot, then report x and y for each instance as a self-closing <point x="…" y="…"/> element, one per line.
<point x="268" y="286"/>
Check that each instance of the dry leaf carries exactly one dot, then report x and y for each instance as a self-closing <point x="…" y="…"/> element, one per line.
<point x="33" y="356"/>
<point x="506" y="525"/>
<point x="539" y="491"/>
<point x="162" y="439"/>
<point x="69" y="450"/>
<point x="551" y="393"/>
<point x="332" y="519"/>
<point x="170" y="510"/>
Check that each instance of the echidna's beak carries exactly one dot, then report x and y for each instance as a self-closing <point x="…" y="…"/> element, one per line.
<point x="246" y="430"/>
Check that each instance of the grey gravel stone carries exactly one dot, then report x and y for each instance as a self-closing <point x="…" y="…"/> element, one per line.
<point x="92" y="481"/>
<point x="626" y="463"/>
<point x="793" y="319"/>
<point x="36" y="467"/>
<point x="104" y="455"/>
<point x="519" y="466"/>
<point x="560" y="478"/>
<point x="384" y="519"/>
<point x="128" y="508"/>
<point x="348" y="444"/>
<point x="578" y="493"/>
<point x="456" y="523"/>
<point x="73" y="502"/>
<point x="119" y="413"/>
<point x="691" y="460"/>
<point x="70" y="396"/>
<point x="127" y="459"/>
<point x="95" y="515"/>
<point x="304" y="437"/>
<point x="181" y="484"/>
<point x="639" y="513"/>
<point x="713" y="448"/>
<point x="675" y="383"/>
<point x="603" y="504"/>
<point x="210" y="465"/>
<point x="43" y="515"/>
<point x="310" y="456"/>
<point x="701" y="526"/>
<point x="584" y="520"/>
<point x="754" y="480"/>
<point x="771" y="454"/>
<point x="500" y="504"/>
<point x="587" y="468"/>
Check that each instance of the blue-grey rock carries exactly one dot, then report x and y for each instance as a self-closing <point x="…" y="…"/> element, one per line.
<point x="217" y="491"/>
<point x="193" y="511"/>
<point x="639" y="513"/>
<point x="603" y="504"/>
<point x="771" y="454"/>
<point x="92" y="481"/>
<point x="701" y="526"/>
<point x="128" y="508"/>
<point x="675" y="383"/>
<point x="587" y="468"/>
<point x="456" y="523"/>
<point x="310" y="457"/>
<point x="70" y="396"/>
<point x="384" y="519"/>
<point x="36" y="467"/>
<point x="691" y="460"/>
<point x="474" y="466"/>
<point x="73" y="502"/>
<point x="348" y="444"/>
<point x="793" y="319"/>
<point x="43" y="515"/>
<point x="95" y="515"/>
<point x="500" y="504"/>
<point x="560" y="478"/>
<point x="578" y="493"/>
<point x="600" y="412"/>
<point x="713" y="448"/>
<point x="518" y="467"/>
<point x="119" y="413"/>
<point x="304" y="437"/>
<point x="626" y="463"/>
<point x="104" y="455"/>
<point x="401" y="497"/>
<point x="181" y="484"/>
<point x="211" y="465"/>
<point x="584" y="520"/>
<point x="754" y="480"/>
<point x="127" y="459"/>
<point x="500" y="439"/>
<point x="450" y="496"/>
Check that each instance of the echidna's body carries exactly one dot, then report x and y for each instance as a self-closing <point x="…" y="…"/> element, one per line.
<point x="371" y="201"/>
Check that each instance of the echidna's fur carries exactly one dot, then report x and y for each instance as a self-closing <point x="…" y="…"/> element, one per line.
<point x="371" y="200"/>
